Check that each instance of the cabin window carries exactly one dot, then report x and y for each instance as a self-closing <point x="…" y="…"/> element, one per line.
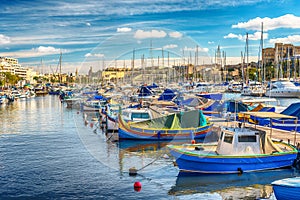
<point x="228" y="138"/>
<point x="140" y="115"/>
<point x="221" y="135"/>
<point x="247" y="138"/>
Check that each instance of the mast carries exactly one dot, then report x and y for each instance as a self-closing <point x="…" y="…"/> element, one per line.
<point x="262" y="56"/>
<point x="143" y="67"/>
<point x="132" y="66"/>
<point x="294" y="64"/>
<point x="197" y="77"/>
<point x="276" y="62"/>
<point x="247" y="53"/>
<point x="60" y="77"/>
<point x="281" y="60"/>
<point x="242" y="62"/>
<point x="288" y="64"/>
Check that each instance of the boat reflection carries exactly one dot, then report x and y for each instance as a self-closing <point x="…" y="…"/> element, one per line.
<point x="254" y="185"/>
<point x="146" y="155"/>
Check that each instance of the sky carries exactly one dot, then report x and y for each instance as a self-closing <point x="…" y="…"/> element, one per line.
<point x="112" y="33"/>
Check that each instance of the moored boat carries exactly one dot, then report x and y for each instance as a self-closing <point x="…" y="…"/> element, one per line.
<point x="181" y="126"/>
<point x="286" y="189"/>
<point x="238" y="150"/>
<point x="283" y="88"/>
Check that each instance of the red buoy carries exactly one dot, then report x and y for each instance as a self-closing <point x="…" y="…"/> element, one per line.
<point x="137" y="186"/>
<point x="193" y="141"/>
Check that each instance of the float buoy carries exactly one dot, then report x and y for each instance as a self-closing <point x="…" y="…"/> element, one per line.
<point x="137" y="186"/>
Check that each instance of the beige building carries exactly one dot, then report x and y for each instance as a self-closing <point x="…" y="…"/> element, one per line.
<point x="112" y="74"/>
<point x="12" y="65"/>
<point x="280" y="51"/>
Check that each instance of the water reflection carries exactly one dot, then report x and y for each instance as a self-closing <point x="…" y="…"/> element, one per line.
<point x="230" y="186"/>
<point x="153" y="155"/>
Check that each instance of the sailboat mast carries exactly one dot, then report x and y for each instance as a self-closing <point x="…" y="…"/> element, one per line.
<point x="262" y="56"/>
<point x="247" y="52"/>
<point x="60" y="78"/>
<point x="242" y="61"/>
<point x="288" y="64"/>
<point x="132" y="67"/>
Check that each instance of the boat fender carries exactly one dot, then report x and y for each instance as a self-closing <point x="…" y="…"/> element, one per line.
<point x="132" y="171"/>
<point x="158" y="134"/>
<point x="199" y="148"/>
<point x="240" y="170"/>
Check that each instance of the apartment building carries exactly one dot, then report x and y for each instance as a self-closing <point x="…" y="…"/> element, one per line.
<point x="12" y="65"/>
<point x="280" y="52"/>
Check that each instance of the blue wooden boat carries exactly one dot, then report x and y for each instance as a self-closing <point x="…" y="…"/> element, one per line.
<point x="287" y="189"/>
<point x="288" y="121"/>
<point x="181" y="126"/>
<point x="238" y="150"/>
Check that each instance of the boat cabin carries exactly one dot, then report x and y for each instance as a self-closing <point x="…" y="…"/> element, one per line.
<point x="136" y="114"/>
<point x="244" y="141"/>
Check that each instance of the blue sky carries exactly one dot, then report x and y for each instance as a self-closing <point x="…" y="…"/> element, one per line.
<point x="105" y="33"/>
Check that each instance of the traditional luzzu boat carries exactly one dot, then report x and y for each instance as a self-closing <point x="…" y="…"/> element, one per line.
<point x="238" y="150"/>
<point x="286" y="189"/>
<point x="178" y="126"/>
<point x="111" y="112"/>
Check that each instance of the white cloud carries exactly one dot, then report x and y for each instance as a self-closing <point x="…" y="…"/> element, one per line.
<point x="47" y="50"/>
<point x="288" y="39"/>
<point x="285" y="21"/>
<point x="257" y="36"/>
<point x="98" y="55"/>
<point x="123" y="30"/>
<point x="200" y="49"/>
<point x="34" y="52"/>
<point x="88" y="24"/>
<point x="141" y="34"/>
<point x="4" y="39"/>
<point x="175" y="34"/>
<point x="232" y="35"/>
<point x="254" y="36"/>
<point x="210" y="42"/>
<point x="88" y="55"/>
<point x="170" y="46"/>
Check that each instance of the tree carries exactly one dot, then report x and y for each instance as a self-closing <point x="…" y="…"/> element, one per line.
<point x="11" y="79"/>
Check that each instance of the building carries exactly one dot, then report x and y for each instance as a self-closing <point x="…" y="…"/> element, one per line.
<point x="11" y="65"/>
<point x="280" y="52"/>
<point x="113" y="74"/>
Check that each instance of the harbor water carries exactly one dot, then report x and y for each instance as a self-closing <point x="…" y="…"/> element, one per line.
<point x="48" y="151"/>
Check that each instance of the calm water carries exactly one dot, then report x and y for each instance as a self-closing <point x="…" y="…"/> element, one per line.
<point x="48" y="152"/>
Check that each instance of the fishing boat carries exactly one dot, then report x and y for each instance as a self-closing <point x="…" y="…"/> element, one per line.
<point x="239" y="149"/>
<point x="110" y="114"/>
<point x="288" y="119"/>
<point x="181" y="126"/>
<point x="93" y="104"/>
<point x="286" y="189"/>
